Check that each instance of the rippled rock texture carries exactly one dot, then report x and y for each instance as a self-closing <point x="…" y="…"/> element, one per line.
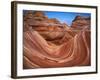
<point x="49" y="43"/>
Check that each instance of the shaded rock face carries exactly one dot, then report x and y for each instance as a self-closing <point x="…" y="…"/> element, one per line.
<point x="81" y="22"/>
<point x="50" y="43"/>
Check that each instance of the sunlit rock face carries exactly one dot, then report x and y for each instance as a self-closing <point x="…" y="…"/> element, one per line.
<point x="49" y="43"/>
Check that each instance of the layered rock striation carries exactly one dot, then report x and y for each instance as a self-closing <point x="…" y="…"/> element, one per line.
<point x="50" y="43"/>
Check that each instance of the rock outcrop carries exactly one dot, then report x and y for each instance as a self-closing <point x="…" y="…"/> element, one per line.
<point x="50" y="29"/>
<point x="50" y="43"/>
<point x="81" y="22"/>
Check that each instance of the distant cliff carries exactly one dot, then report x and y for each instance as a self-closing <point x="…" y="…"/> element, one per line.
<point x="81" y="22"/>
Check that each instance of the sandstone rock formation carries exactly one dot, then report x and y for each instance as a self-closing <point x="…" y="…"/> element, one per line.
<point x="80" y="22"/>
<point x="50" y="43"/>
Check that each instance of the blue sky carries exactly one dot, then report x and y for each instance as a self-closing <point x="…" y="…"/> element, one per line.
<point x="65" y="17"/>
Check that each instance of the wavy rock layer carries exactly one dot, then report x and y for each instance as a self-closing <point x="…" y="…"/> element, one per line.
<point x="49" y="43"/>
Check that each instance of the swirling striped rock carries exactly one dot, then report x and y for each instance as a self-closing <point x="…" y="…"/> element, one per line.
<point x="49" y="43"/>
<point x="38" y="53"/>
